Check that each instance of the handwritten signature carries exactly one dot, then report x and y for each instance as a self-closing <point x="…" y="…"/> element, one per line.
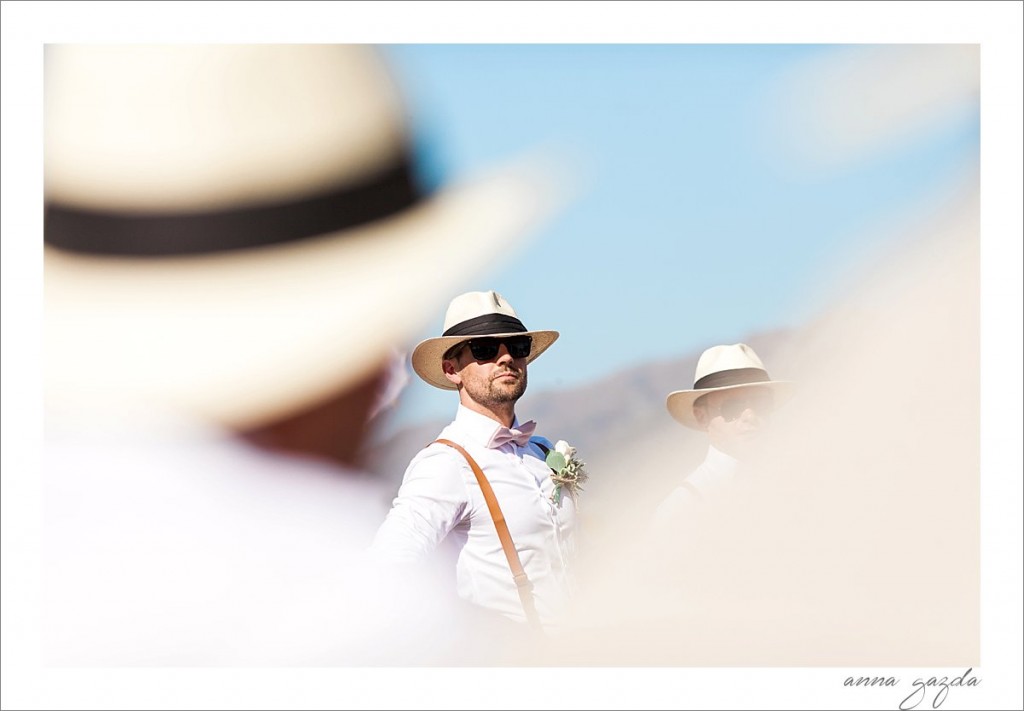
<point x="922" y="687"/>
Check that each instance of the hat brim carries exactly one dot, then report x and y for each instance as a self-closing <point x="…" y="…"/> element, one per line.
<point x="680" y="402"/>
<point x="428" y="355"/>
<point x="241" y="338"/>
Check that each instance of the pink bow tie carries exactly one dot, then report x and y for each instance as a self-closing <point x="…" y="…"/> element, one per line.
<point x="520" y="435"/>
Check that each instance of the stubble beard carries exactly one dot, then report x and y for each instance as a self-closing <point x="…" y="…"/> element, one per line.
<point x="500" y="392"/>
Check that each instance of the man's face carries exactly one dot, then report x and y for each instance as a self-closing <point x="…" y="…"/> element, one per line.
<point x="734" y="419"/>
<point x="489" y="381"/>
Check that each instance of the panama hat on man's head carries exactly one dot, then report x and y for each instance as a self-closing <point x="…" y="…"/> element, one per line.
<point x="722" y="368"/>
<point x="476" y="314"/>
<point x="235" y="231"/>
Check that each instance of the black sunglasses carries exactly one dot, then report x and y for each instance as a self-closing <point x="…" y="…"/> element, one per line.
<point x="487" y="348"/>
<point x="733" y="408"/>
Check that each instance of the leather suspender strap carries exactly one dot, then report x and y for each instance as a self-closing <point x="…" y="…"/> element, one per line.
<point x="692" y="489"/>
<point x="523" y="584"/>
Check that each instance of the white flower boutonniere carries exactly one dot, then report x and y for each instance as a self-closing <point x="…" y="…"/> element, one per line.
<point x="567" y="471"/>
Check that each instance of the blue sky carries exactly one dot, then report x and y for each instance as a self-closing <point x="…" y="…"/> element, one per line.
<point x="701" y="215"/>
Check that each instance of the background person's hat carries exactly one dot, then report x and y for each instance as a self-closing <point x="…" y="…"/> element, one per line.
<point x="475" y="314"/>
<point x="235" y="231"/>
<point x="723" y="368"/>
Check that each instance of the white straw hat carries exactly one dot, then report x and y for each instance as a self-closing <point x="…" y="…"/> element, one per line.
<point x="723" y="368"/>
<point x="474" y="314"/>
<point x="234" y="231"/>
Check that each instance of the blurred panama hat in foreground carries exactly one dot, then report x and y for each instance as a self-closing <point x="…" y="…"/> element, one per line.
<point x="234" y="231"/>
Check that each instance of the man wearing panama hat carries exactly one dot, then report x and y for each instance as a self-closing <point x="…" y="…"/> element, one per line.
<point x="234" y="242"/>
<point x="485" y="487"/>
<point x="731" y="400"/>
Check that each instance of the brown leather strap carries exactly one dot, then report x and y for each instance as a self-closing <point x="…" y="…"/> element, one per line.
<point x="523" y="584"/>
<point x="692" y="489"/>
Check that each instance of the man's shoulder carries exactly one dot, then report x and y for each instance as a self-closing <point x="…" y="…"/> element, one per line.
<point x="438" y="453"/>
<point x="437" y="467"/>
<point x="681" y="496"/>
<point x="674" y="508"/>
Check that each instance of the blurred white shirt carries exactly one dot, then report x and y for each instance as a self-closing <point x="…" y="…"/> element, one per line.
<point x="715" y="473"/>
<point x="440" y="500"/>
<point x="177" y="545"/>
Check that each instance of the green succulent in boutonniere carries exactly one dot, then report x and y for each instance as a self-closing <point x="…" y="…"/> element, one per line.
<point x="567" y="471"/>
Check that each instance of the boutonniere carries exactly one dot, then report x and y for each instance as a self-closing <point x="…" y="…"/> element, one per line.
<point x="566" y="471"/>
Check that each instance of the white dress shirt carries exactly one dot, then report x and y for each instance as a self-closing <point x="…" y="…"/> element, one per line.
<point x="715" y="473"/>
<point x="440" y="499"/>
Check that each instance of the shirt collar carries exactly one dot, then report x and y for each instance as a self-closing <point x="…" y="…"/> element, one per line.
<point x="717" y="469"/>
<point x="718" y="462"/>
<point x="478" y="428"/>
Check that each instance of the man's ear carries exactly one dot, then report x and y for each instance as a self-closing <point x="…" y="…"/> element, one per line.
<point x="700" y="413"/>
<point x="450" y="372"/>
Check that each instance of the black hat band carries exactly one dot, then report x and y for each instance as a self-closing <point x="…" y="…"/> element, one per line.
<point x="147" y="234"/>
<point x="736" y="376"/>
<point x="486" y="325"/>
